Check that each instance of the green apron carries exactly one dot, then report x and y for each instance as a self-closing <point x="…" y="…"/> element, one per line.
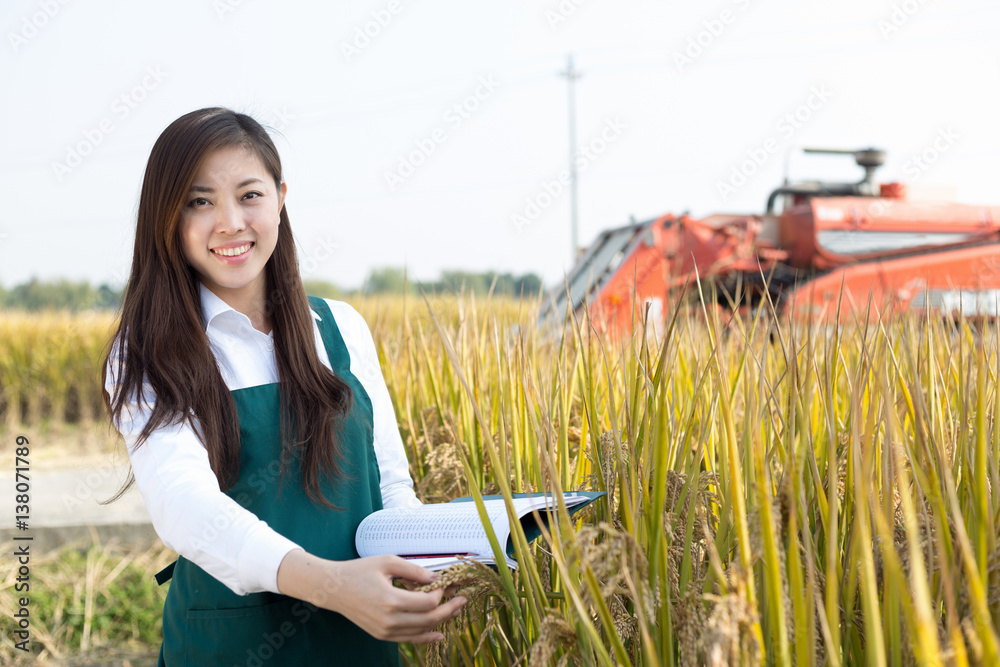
<point x="205" y="623"/>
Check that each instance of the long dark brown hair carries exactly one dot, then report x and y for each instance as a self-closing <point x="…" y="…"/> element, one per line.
<point x="161" y="338"/>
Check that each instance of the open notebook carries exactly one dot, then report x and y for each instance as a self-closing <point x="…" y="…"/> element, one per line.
<point x="434" y="536"/>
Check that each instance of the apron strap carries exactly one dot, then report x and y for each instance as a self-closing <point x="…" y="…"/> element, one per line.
<point x="333" y="340"/>
<point x="331" y="334"/>
<point x="164" y="575"/>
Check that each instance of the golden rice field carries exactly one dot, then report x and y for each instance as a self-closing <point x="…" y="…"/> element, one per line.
<point x="775" y="494"/>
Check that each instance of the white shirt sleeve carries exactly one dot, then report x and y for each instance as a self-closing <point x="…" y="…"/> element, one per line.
<point x="188" y="510"/>
<point x="192" y="515"/>
<point x="394" y="468"/>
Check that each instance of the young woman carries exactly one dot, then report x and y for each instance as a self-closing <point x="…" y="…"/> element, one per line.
<point x="257" y="422"/>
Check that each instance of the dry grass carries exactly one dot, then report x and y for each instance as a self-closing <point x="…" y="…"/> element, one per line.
<point x="91" y="599"/>
<point x="777" y="494"/>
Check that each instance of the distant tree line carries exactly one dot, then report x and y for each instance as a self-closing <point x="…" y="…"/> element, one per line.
<point x="60" y="295"/>
<point x="36" y="294"/>
<point x="394" y="280"/>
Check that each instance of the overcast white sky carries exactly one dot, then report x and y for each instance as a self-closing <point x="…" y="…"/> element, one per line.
<point x="88" y="86"/>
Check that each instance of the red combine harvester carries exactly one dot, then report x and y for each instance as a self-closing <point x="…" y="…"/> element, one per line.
<point x="864" y="246"/>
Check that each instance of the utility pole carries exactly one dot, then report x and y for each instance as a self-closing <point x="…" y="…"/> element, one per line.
<point x="572" y="75"/>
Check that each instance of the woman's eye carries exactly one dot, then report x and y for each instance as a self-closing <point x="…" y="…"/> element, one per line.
<point x="197" y="201"/>
<point x="252" y="195"/>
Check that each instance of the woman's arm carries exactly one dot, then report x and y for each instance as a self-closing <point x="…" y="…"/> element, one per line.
<point x="362" y="590"/>
<point x="188" y="510"/>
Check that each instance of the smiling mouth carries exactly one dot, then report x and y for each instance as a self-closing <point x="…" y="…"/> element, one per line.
<point x="233" y="252"/>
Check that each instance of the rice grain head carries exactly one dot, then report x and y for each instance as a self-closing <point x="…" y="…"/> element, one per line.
<point x="555" y="634"/>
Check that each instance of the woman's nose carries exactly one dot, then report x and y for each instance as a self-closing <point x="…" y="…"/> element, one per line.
<point x="229" y="219"/>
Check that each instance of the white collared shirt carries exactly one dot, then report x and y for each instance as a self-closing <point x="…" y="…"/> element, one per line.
<point x="189" y="512"/>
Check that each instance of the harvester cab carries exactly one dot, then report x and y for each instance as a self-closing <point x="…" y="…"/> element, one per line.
<point x="832" y="252"/>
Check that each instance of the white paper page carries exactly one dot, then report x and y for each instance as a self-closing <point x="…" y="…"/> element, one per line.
<point x="523" y="506"/>
<point x="448" y="528"/>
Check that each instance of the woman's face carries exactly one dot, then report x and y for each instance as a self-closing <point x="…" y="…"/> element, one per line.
<point x="229" y="225"/>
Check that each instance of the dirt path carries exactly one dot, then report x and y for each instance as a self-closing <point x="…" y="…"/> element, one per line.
<point x="70" y="471"/>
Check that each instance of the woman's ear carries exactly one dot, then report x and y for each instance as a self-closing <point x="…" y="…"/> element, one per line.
<point x="282" y="190"/>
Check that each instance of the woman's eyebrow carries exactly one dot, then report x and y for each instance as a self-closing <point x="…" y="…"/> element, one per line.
<point x="241" y="184"/>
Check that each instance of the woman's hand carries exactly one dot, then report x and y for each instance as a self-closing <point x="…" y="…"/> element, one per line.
<point x="362" y="591"/>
